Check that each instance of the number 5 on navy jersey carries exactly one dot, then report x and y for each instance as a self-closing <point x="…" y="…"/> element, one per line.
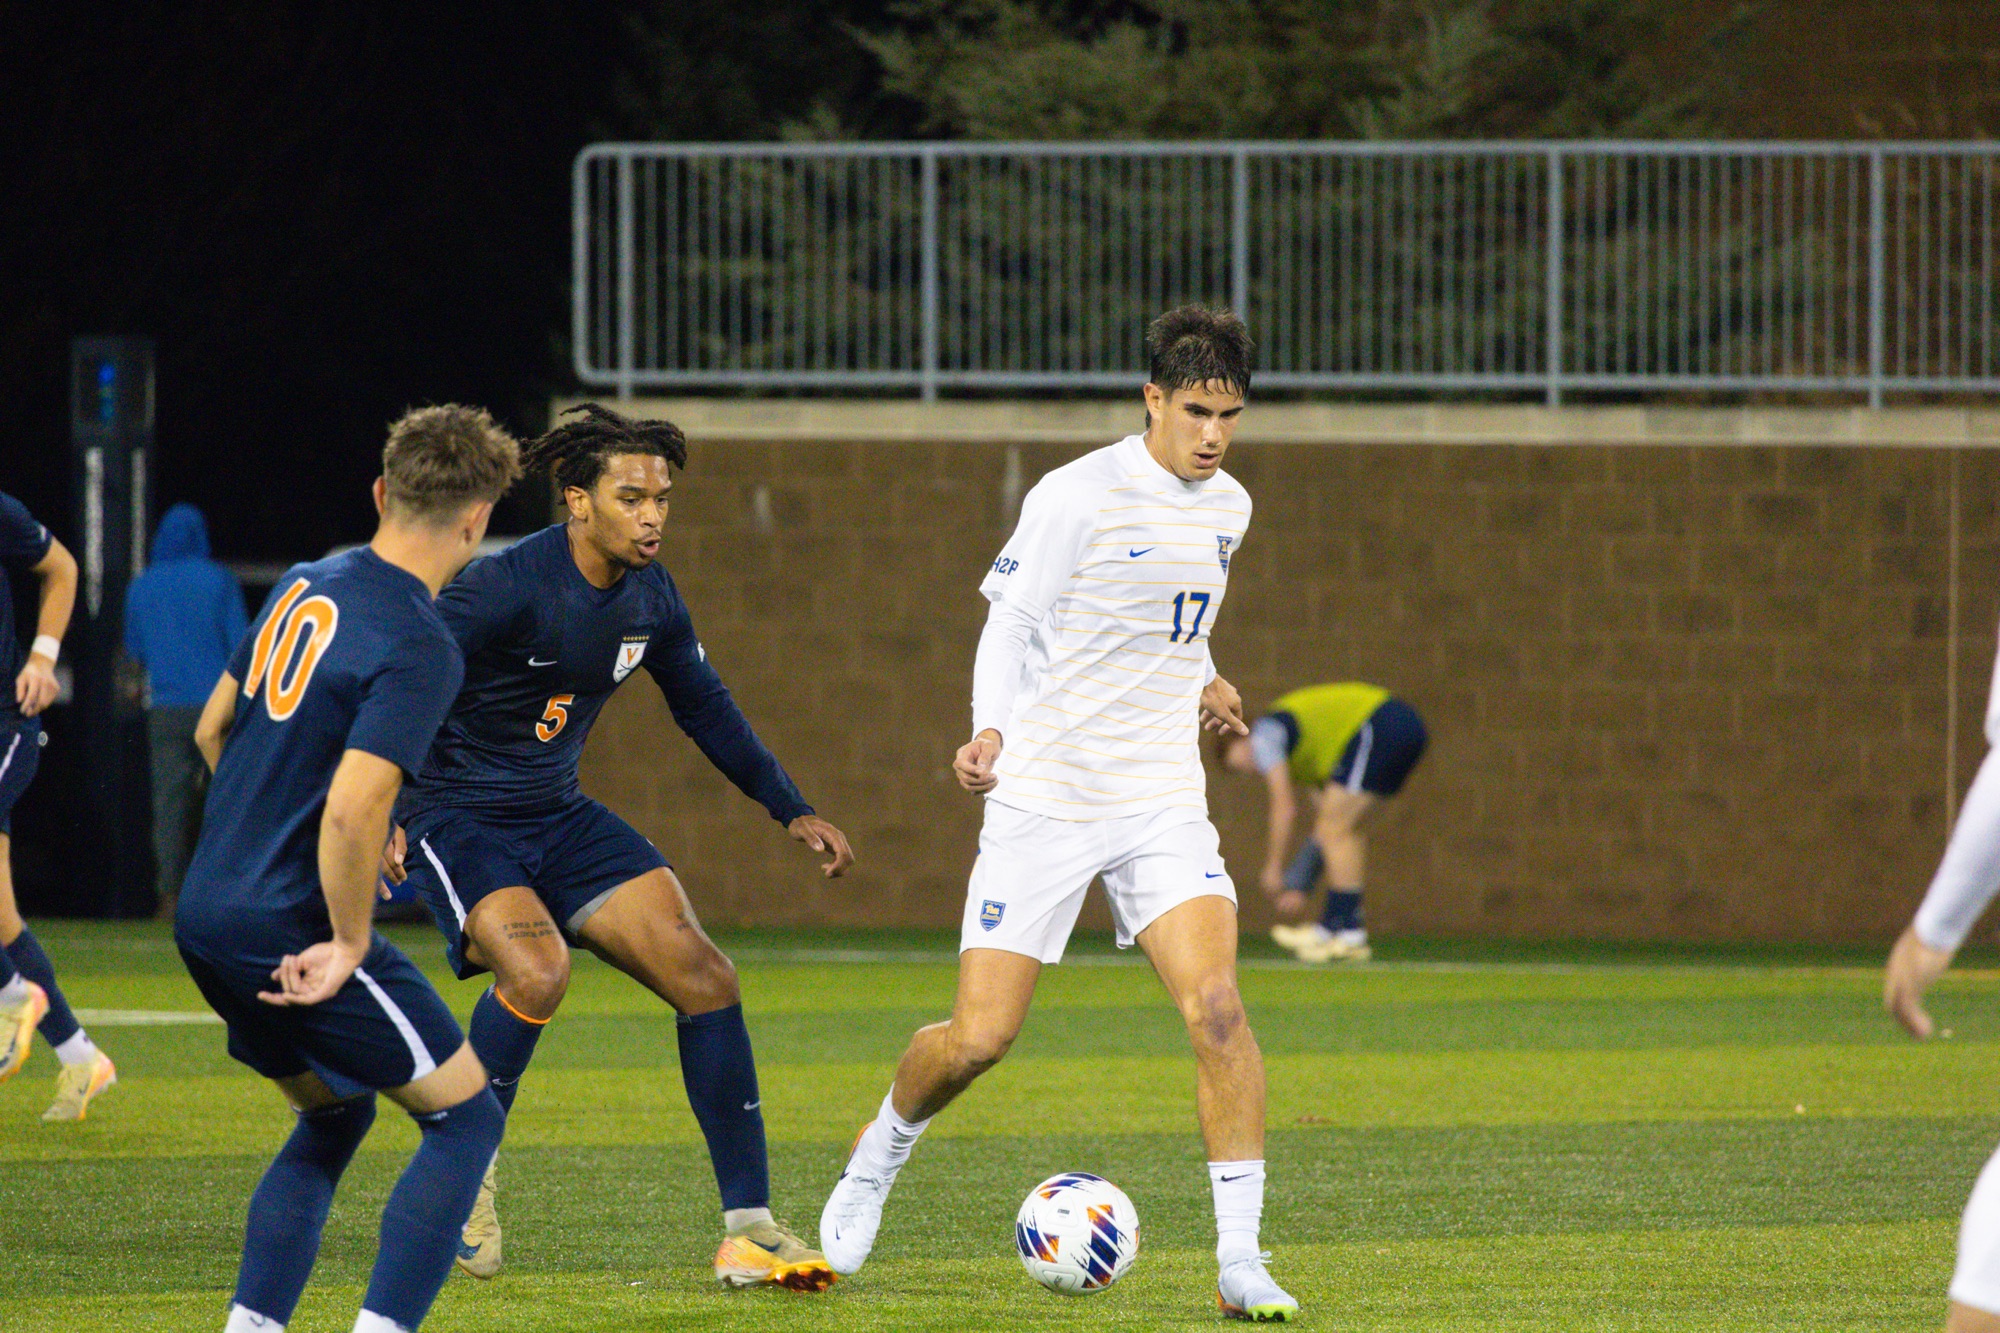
<point x="295" y="636"/>
<point x="554" y="717"/>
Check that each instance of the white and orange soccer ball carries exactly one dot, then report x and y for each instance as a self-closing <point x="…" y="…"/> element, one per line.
<point x="1077" y="1233"/>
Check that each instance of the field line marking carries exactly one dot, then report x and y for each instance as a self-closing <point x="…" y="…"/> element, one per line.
<point x="143" y="1018"/>
<point x="1137" y="959"/>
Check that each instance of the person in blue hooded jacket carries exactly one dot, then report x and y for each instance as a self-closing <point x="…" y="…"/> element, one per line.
<point x="183" y="617"/>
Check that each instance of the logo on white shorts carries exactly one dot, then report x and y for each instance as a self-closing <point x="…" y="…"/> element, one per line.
<point x="990" y="913"/>
<point x="629" y="654"/>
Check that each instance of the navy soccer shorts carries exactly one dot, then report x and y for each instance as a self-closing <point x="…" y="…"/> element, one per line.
<point x="573" y="858"/>
<point x="384" y="1028"/>
<point x="20" y="756"/>
<point x="1380" y="756"/>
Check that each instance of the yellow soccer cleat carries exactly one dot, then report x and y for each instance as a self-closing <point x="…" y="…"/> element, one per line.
<point x="768" y="1252"/>
<point x="479" y="1241"/>
<point x="17" y="1028"/>
<point x="77" y="1085"/>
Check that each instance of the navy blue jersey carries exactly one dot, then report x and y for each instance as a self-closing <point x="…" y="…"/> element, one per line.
<point x="543" y="650"/>
<point x="347" y="654"/>
<point x="23" y="543"/>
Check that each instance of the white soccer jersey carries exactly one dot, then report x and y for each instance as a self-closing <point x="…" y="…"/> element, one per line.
<point x="1115" y="575"/>
<point x="1969" y="874"/>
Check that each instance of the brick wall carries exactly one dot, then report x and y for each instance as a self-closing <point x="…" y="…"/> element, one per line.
<point x="1676" y="690"/>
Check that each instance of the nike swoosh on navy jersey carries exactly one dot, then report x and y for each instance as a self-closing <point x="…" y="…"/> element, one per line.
<point x="551" y="662"/>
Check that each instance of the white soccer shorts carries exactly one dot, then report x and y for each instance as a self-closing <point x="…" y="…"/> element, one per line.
<point x="1033" y="871"/>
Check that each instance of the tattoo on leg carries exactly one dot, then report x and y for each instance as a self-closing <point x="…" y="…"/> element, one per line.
<point x="528" y="930"/>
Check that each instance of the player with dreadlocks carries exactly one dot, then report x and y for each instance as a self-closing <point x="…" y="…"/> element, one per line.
<point x="515" y="862"/>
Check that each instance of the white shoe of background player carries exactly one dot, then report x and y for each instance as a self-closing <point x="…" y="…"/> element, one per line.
<point x="1337" y="946"/>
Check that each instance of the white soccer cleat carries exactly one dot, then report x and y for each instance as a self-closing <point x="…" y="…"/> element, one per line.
<point x="479" y="1241"/>
<point x="1337" y="946"/>
<point x="17" y="1027"/>
<point x="853" y="1214"/>
<point x="1293" y="938"/>
<point x="1246" y="1291"/>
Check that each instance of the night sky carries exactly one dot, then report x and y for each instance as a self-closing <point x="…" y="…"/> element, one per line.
<point x="326" y="213"/>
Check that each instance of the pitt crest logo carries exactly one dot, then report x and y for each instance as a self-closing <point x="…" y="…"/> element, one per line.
<point x="1222" y="552"/>
<point x="990" y="913"/>
<point x="630" y="653"/>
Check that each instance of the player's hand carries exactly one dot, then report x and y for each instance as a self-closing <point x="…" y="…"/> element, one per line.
<point x="821" y="836"/>
<point x="975" y="759"/>
<point x="393" y="852"/>
<point x="1291" y="904"/>
<point x="312" y="976"/>
<point x="1222" y="708"/>
<point x="1913" y="966"/>
<point x="1272" y="880"/>
<point x="35" y="688"/>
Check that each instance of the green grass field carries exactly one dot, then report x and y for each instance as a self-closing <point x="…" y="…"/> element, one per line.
<point x="1465" y="1137"/>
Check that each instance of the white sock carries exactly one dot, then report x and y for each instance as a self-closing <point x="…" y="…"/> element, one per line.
<point x="885" y="1145"/>
<point x="14" y="991"/>
<point x="1239" y="1207"/>
<point x="1976" y="1282"/>
<point x="78" y="1050"/>
<point x="245" y="1320"/>
<point x="370" y="1322"/>
<point x="738" y="1220"/>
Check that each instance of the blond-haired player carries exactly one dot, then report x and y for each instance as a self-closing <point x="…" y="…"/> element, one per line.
<point x="1091" y="683"/>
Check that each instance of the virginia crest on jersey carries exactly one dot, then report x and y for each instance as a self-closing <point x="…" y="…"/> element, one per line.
<point x="630" y="653"/>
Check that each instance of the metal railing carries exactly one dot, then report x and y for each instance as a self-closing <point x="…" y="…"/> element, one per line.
<point x="1441" y="266"/>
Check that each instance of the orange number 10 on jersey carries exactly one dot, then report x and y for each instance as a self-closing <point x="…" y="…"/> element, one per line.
<point x="295" y="636"/>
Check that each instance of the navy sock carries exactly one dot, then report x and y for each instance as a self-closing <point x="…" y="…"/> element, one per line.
<point x="7" y="969"/>
<point x="1305" y="868"/>
<point x="281" y="1239"/>
<point x="58" y="1025"/>
<point x="429" y="1205"/>
<point x="504" y="1043"/>
<point x="1343" y="910"/>
<point x="721" y="1078"/>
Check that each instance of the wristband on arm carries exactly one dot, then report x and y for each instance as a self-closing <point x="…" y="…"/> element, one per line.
<point x="47" y="645"/>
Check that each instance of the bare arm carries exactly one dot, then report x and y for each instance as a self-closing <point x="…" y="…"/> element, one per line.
<point x="351" y="833"/>
<point x="35" y="688"/>
<point x="1281" y="810"/>
<point x="217" y="716"/>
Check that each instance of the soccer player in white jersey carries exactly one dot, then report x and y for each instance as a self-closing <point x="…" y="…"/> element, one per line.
<point x="1965" y="883"/>
<point x="1091" y="684"/>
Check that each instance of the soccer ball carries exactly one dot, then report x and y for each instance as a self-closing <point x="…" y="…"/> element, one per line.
<point x="1077" y="1233"/>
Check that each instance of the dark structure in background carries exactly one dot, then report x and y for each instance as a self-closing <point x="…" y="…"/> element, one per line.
<point x="103" y="828"/>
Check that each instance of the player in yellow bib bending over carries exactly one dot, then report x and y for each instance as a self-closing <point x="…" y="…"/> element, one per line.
<point x="1350" y="746"/>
